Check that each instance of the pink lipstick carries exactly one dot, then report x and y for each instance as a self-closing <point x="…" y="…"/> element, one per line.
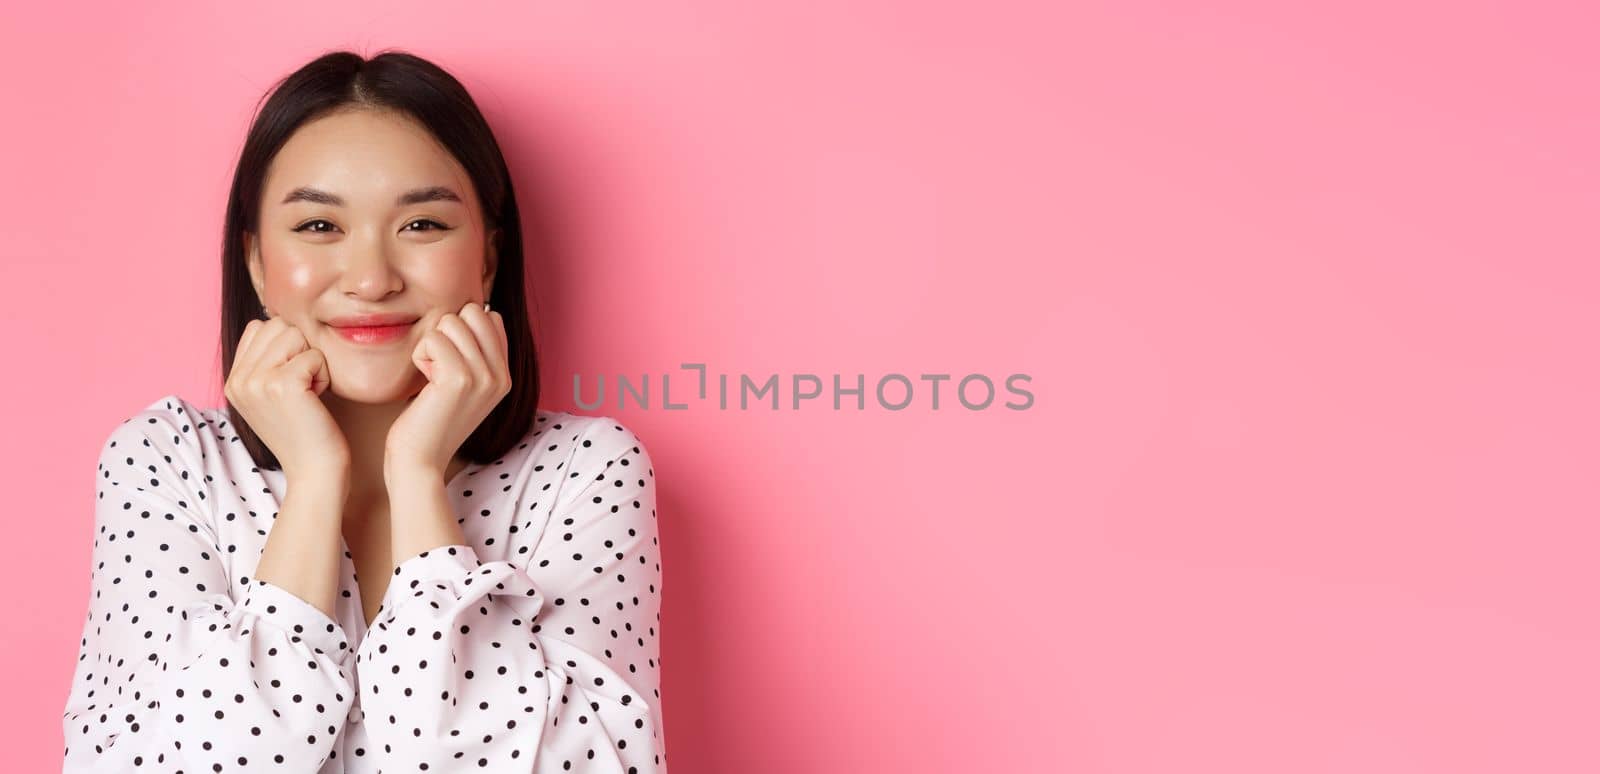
<point x="373" y="328"/>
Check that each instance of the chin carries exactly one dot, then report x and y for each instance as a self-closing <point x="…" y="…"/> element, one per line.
<point x="375" y="390"/>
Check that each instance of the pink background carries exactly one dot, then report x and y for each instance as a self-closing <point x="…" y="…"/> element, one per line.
<point x="1308" y="299"/>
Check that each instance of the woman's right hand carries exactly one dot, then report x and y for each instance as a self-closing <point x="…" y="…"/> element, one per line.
<point x="276" y="384"/>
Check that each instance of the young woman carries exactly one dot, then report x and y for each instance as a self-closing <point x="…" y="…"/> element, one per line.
<point x="381" y="555"/>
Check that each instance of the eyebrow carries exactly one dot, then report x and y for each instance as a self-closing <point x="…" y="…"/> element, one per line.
<point x="432" y="193"/>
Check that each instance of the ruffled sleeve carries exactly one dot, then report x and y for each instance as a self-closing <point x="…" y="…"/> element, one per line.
<point x="174" y="673"/>
<point x="547" y="665"/>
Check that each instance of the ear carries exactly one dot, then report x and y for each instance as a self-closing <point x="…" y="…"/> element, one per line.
<point x="252" y="260"/>
<point x="491" y="261"/>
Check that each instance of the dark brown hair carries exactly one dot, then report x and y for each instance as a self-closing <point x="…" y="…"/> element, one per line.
<point x="402" y="82"/>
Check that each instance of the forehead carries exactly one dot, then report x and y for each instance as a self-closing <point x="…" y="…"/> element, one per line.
<point x="365" y="156"/>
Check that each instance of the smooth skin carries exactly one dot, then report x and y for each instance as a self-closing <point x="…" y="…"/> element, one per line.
<point x="367" y="435"/>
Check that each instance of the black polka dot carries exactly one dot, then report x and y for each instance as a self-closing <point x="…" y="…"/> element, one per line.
<point x="189" y="661"/>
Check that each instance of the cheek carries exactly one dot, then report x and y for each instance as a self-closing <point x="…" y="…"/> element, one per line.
<point x="300" y="276"/>
<point x="289" y="275"/>
<point x="449" y="274"/>
<point x="291" y="278"/>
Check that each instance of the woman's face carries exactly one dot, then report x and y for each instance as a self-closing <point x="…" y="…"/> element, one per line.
<point x="363" y="212"/>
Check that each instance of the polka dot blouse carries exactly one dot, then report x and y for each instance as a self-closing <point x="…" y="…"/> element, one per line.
<point x="532" y="647"/>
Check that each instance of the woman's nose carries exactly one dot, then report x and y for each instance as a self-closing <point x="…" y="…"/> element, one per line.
<point x="369" y="272"/>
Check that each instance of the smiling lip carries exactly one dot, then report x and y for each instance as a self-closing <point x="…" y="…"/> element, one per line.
<point x="373" y="328"/>
<point x="373" y="334"/>
<point x="372" y="320"/>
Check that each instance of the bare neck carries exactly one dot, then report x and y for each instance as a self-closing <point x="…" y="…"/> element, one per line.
<point x="366" y="429"/>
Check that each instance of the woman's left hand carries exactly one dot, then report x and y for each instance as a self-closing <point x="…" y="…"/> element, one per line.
<point x="464" y="359"/>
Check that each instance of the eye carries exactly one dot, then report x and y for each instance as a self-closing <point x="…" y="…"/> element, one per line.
<point x="437" y="226"/>
<point x="306" y="226"/>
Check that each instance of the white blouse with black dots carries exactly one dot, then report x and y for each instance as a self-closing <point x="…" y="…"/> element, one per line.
<point x="533" y="647"/>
